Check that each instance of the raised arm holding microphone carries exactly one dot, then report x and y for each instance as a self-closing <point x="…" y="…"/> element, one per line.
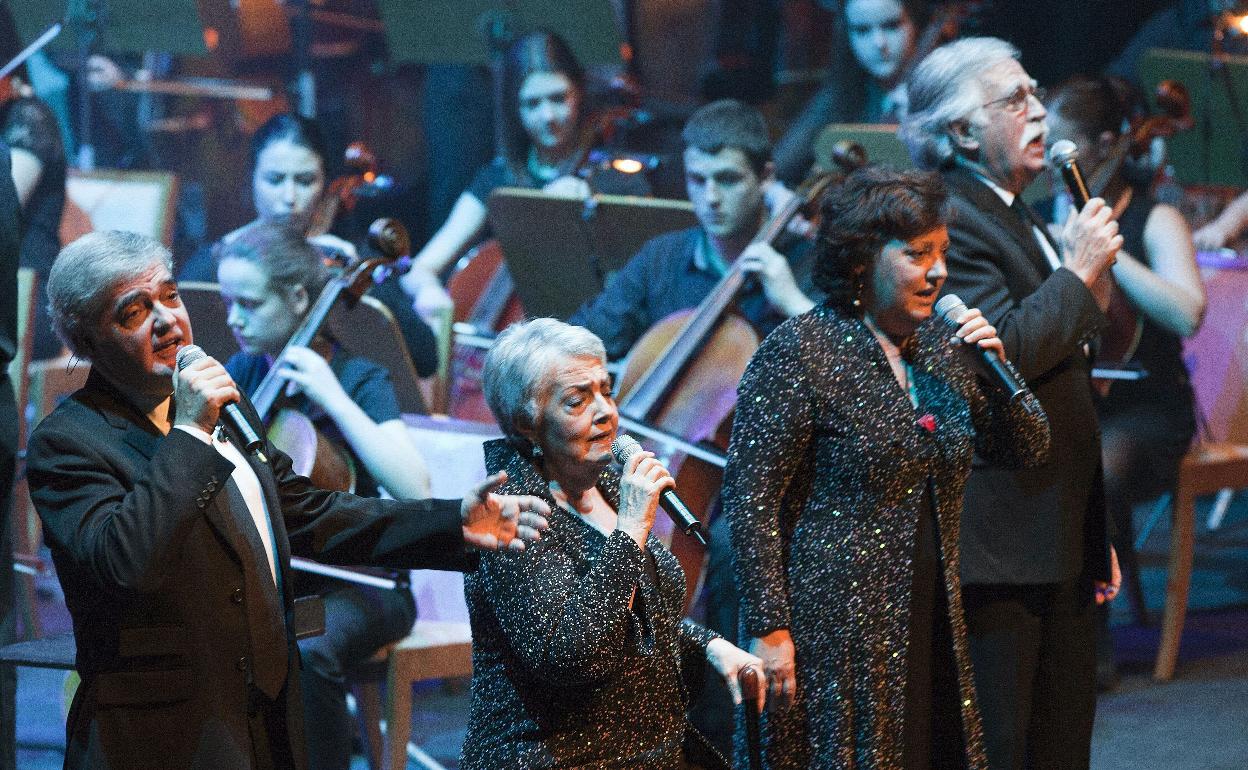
<point x="173" y="542"/>
<point x="1035" y="555"/>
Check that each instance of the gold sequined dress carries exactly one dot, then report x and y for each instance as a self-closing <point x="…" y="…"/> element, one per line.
<point x="830" y="468"/>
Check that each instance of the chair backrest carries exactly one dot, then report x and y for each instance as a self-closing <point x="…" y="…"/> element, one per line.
<point x="1217" y="357"/>
<point x="139" y="201"/>
<point x="452" y="449"/>
<point x="370" y="330"/>
<point x="208" y="318"/>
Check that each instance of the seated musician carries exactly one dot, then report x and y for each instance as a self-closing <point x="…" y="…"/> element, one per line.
<point x="875" y="45"/>
<point x="548" y="138"/>
<point x="287" y="187"/>
<point x="269" y="278"/>
<point x="727" y="165"/>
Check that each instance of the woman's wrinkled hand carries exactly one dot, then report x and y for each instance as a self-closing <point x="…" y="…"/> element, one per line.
<point x="778" y="655"/>
<point x="643" y="479"/>
<point x="730" y="660"/>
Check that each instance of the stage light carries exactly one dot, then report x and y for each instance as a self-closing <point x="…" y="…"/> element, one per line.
<point x="627" y="165"/>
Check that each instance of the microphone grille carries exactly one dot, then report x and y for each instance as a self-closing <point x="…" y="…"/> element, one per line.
<point x="949" y="307"/>
<point x="189" y="354"/>
<point x="624" y="447"/>
<point x="1063" y="152"/>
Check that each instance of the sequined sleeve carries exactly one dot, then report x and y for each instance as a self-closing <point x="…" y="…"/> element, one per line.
<point x="564" y="624"/>
<point x="770" y="436"/>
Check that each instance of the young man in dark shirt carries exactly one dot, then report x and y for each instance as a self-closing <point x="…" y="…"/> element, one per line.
<point x="727" y="169"/>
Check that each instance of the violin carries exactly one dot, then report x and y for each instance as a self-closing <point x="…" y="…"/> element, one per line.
<point x="312" y="454"/>
<point x="1125" y="326"/>
<point x="681" y="377"/>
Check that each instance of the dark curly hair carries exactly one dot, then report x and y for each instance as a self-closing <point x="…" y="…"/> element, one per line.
<point x="873" y="206"/>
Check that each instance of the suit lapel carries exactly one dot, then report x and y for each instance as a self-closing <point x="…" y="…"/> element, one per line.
<point x="985" y="199"/>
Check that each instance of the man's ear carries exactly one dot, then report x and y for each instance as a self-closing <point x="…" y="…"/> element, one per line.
<point x="961" y="136"/>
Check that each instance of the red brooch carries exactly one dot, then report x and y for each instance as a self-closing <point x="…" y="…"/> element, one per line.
<point x="928" y="422"/>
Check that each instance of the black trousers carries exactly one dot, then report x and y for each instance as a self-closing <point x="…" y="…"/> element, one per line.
<point x="1033" y="649"/>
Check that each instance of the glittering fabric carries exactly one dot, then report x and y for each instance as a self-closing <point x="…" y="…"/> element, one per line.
<point x="827" y="472"/>
<point x="565" y="673"/>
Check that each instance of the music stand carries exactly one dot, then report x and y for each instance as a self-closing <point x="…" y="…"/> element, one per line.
<point x="128" y="26"/>
<point x="560" y="250"/>
<point x="452" y="31"/>
<point x="1216" y="150"/>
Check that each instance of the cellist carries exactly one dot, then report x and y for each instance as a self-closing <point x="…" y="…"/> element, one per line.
<point x="548" y="133"/>
<point x="728" y="169"/>
<point x="728" y="166"/>
<point x="270" y="276"/>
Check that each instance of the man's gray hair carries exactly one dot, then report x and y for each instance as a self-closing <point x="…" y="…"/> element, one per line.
<point x="944" y="89"/>
<point x="85" y="274"/>
<point x="520" y="367"/>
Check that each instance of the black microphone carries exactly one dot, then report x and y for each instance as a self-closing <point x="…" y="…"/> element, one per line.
<point x="230" y="413"/>
<point x="625" y="447"/>
<point x="949" y="308"/>
<point x="1063" y="158"/>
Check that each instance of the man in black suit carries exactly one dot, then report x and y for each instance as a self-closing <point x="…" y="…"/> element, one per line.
<point x="1035" y="556"/>
<point x="173" y="542"/>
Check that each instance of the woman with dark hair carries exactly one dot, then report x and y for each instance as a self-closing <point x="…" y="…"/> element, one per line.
<point x="874" y="47"/>
<point x="270" y="276"/>
<point x="287" y="182"/>
<point x="547" y="141"/>
<point x="1146" y="424"/>
<point x="852" y="441"/>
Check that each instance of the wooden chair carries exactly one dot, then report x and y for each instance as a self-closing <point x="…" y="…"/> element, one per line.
<point x="440" y="645"/>
<point x="1208" y="468"/>
<point x="434" y="650"/>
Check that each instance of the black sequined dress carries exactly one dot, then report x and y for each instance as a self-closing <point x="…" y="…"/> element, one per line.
<point x="565" y="673"/>
<point x="831" y="469"/>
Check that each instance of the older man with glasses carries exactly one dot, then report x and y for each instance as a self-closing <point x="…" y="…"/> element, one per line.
<point x="1035" y="555"/>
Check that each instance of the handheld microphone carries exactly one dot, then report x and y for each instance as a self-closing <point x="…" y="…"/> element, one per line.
<point x="1063" y="158"/>
<point x="230" y="413"/>
<point x="625" y="447"/>
<point x="949" y="307"/>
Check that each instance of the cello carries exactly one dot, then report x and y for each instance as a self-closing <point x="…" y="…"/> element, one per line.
<point x="311" y="453"/>
<point x="682" y="376"/>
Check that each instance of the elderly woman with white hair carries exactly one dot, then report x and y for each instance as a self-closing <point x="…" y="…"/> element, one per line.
<point x="584" y="662"/>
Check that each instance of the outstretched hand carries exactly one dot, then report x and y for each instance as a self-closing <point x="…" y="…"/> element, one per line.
<point x="493" y="522"/>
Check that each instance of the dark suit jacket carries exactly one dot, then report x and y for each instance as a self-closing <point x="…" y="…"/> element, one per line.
<point x="173" y="605"/>
<point x="1046" y="524"/>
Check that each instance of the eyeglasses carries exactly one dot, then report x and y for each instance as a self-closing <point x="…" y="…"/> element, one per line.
<point x="1020" y="98"/>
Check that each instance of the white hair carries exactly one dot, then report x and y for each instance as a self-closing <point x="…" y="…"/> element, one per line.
<point x="944" y="89"/>
<point x="520" y="366"/>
